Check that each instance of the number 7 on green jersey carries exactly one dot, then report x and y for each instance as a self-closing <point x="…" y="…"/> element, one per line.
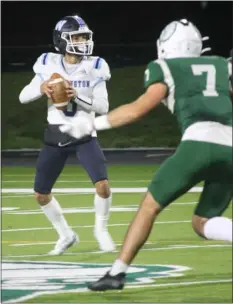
<point x="209" y="69"/>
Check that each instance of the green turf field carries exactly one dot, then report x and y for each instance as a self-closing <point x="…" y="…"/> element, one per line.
<point x="175" y="265"/>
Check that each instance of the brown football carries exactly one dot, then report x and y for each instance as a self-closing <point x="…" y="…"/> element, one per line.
<point x="59" y="96"/>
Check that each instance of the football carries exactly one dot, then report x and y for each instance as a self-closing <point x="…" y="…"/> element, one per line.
<point x="59" y="96"/>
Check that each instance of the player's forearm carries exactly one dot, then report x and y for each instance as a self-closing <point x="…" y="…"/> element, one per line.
<point x="120" y="116"/>
<point x="97" y="105"/>
<point x="31" y="92"/>
<point x="131" y="112"/>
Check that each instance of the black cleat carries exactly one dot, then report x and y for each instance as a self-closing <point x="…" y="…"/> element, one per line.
<point x="108" y="282"/>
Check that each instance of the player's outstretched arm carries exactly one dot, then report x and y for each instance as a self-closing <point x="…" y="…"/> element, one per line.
<point x="129" y="113"/>
<point x="31" y="91"/>
<point x="120" y="116"/>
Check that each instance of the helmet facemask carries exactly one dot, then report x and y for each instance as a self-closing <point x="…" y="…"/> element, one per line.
<point x="82" y="48"/>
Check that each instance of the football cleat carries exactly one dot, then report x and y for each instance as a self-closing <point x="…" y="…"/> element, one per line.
<point x="108" y="282"/>
<point x="63" y="244"/>
<point x="105" y="241"/>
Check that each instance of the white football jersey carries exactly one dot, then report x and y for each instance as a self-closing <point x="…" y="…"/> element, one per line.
<point x="88" y="78"/>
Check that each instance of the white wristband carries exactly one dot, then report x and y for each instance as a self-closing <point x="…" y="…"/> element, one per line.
<point x="102" y="123"/>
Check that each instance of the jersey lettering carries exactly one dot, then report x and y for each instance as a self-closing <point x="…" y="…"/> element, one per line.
<point x="147" y="74"/>
<point x="198" y="88"/>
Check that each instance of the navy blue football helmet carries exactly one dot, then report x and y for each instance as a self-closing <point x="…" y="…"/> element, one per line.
<point x="62" y="36"/>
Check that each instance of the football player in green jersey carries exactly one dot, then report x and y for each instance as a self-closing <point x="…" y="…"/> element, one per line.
<point x="195" y="89"/>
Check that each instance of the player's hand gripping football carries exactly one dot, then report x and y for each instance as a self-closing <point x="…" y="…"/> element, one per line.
<point x="78" y="127"/>
<point x="70" y="91"/>
<point x="46" y="88"/>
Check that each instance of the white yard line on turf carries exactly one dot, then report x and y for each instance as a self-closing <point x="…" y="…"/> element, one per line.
<point x="87" y="226"/>
<point x="84" y="209"/>
<point x="60" y="194"/>
<point x="32" y="244"/>
<point x="90" y="226"/>
<point x="182" y="283"/>
<point x="71" y="210"/>
<point x="169" y="247"/>
<point x="69" y="174"/>
<point x="8" y="208"/>
<point x="32" y="174"/>
<point x="51" y="243"/>
<point x="32" y="195"/>
<point x="88" y="190"/>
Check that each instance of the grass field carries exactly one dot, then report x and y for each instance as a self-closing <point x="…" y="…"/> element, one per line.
<point x="175" y="265"/>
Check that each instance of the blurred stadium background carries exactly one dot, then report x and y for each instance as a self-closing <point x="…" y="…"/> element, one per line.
<point x="125" y="35"/>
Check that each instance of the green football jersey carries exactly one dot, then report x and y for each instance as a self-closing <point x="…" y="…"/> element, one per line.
<point x="198" y="88"/>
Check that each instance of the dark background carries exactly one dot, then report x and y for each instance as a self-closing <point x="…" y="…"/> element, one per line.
<point x="125" y="32"/>
<point x="125" y="35"/>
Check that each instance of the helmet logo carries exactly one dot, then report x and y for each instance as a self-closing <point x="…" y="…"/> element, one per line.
<point x="60" y="24"/>
<point x="168" y="31"/>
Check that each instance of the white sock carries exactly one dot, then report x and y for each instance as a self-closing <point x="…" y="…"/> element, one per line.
<point x="53" y="211"/>
<point x="118" y="267"/>
<point x="218" y="228"/>
<point x="102" y="207"/>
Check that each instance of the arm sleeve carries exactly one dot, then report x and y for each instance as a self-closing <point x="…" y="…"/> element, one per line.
<point x="98" y="103"/>
<point x="153" y="74"/>
<point x="31" y="91"/>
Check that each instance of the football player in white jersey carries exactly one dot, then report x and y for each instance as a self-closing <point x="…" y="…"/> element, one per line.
<point x="87" y="76"/>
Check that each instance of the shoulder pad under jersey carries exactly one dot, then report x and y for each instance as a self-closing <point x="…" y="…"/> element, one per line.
<point x="45" y="63"/>
<point x="99" y="68"/>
